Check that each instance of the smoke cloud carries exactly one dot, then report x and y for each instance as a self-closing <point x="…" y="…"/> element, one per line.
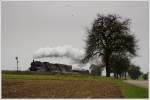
<point x="62" y="54"/>
<point x="60" y="51"/>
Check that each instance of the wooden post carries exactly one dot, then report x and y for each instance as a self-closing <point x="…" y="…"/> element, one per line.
<point x="17" y="63"/>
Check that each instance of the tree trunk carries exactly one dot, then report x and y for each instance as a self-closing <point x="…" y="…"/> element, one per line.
<point x="115" y="75"/>
<point x="107" y="71"/>
<point x="107" y="67"/>
<point x="106" y="61"/>
<point x="125" y="75"/>
<point x="106" y="58"/>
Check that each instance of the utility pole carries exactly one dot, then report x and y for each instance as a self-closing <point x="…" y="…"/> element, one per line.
<point x="17" y="63"/>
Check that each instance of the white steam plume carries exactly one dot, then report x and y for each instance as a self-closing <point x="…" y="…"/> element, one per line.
<point x="61" y="51"/>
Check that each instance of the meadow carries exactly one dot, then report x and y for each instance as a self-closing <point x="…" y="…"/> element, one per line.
<point x="47" y="85"/>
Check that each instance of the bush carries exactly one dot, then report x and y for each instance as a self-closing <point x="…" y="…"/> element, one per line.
<point x="145" y="76"/>
<point x="134" y="72"/>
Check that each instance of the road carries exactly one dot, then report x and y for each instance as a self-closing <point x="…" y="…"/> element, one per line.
<point x="142" y="83"/>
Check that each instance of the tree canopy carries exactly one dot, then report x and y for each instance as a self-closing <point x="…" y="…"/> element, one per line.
<point x="109" y="34"/>
<point x="119" y="65"/>
<point x="134" y="71"/>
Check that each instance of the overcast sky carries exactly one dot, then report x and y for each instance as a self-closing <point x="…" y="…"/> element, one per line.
<point x="28" y="26"/>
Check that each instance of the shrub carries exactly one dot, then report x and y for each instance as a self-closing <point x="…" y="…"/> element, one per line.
<point x="145" y="76"/>
<point x="134" y="72"/>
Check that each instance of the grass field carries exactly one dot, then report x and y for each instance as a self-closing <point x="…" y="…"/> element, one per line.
<point x="45" y="85"/>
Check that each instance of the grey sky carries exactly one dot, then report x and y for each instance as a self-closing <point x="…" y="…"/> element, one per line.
<point x="28" y="26"/>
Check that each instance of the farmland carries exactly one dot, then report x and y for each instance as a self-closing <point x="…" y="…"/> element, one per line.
<point x="45" y="85"/>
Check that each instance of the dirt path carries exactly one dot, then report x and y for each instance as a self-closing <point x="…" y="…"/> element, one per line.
<point x="142" y="83"/>
<point x="59" y="89"/>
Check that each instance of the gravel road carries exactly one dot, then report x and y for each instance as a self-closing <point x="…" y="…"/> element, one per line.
<point x="142" y="83"/>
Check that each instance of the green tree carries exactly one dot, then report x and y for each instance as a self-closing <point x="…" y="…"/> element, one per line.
<point x="145" y="76"/>
<point x="134" y="72"/>
<point x="109" y="34"/>
<point x="119" y="65"/>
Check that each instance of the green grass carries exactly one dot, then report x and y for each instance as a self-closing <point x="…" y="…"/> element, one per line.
<point x="128" y="90"/>
<point x="53" y="77"/>
<point x="132" y="91"/>
<point x="48" y="76"/>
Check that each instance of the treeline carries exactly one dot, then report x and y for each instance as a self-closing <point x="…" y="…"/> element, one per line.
<point x="132" y="71"/>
